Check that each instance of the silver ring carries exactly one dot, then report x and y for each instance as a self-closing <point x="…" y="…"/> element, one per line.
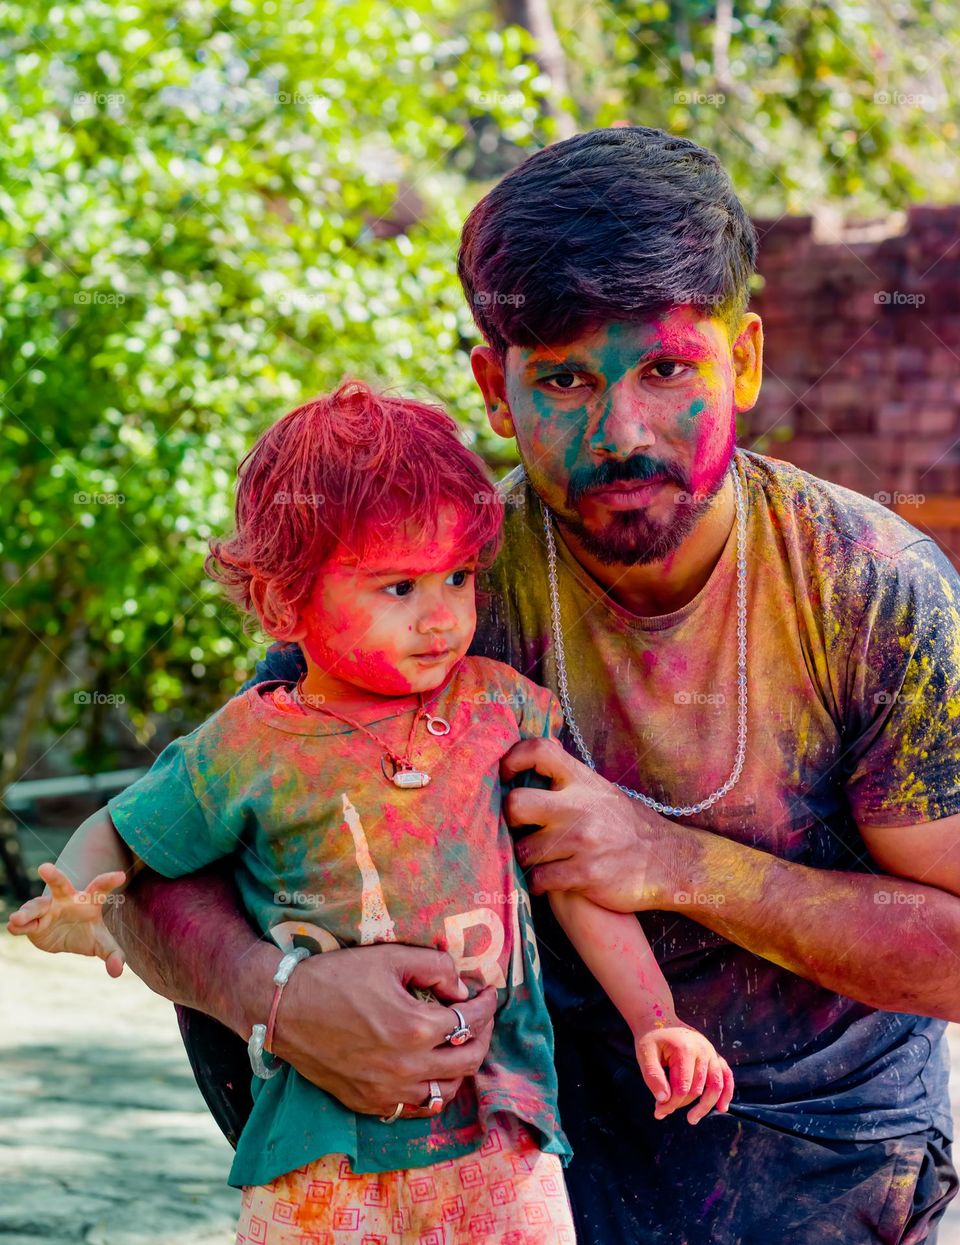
<point x="462" y="1033"/>
<point x="435" y="1101"/>
<point x="390" y="1119"/>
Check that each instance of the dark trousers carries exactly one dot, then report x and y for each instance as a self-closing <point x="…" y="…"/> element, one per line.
<point x="726" y="1181"/>
<point x="733" y="1181"/>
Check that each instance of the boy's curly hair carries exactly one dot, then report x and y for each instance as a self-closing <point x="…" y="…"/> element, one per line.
<point x="341" y="470"/>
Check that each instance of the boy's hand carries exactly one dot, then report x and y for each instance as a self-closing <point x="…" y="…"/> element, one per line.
<point x="70" y="920"/>
<point x="695" y="1069"/>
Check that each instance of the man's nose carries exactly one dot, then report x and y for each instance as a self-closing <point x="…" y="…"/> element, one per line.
<point x="622" y="428"/>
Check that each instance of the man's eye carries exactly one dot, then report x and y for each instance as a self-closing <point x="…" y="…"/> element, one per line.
<point x="459" y="578"/>
<point x="565" y="381"/>
<point x="402" y="589"/>
<point x="671" y="363"/>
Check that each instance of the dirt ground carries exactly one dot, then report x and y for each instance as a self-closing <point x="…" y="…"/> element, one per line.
<point x="106" y="1139"/>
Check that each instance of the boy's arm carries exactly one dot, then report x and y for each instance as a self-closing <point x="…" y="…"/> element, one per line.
<point x="94" y="848"/>
<point x="615" y="949"/>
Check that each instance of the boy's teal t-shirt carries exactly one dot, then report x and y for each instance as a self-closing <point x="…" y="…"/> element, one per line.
<point x="328" y="853"/>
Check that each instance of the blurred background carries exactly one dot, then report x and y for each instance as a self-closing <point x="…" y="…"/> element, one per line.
<point x="211" y="211"/>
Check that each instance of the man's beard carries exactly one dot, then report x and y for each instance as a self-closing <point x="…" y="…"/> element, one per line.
<point x="633" y="537"/>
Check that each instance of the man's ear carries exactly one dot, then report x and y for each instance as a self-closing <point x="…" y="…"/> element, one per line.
<point x="488" y="373"/>
<point x="747" y="362"/>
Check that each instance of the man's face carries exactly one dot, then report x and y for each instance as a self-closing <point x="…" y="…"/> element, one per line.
<point x="627" y="432"/>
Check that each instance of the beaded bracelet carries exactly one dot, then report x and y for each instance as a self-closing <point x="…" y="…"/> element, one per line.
<point x="261" y="1036"/>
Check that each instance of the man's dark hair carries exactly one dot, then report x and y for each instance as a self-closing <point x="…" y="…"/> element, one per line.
<point x="615" y="224"/>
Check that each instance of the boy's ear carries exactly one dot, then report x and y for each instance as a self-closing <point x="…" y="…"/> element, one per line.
<point x="488" y="373"/>
<point x="277" y="616"/>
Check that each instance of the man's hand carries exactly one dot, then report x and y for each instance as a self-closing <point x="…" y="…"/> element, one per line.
<point x="595" y="839"/>
<point x="349" y="1024"/>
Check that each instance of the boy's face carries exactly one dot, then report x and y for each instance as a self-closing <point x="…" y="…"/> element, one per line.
<point x="627" y="432"/>
<point x="395" y="622"/>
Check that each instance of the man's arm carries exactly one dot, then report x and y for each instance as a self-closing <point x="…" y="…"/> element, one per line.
<point x="348" y="1021"/>
<point x="189" y="941"/>
<point x="890" y="942"/>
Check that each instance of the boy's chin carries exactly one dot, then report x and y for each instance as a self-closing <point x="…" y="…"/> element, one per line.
<point x="426" y="675"/>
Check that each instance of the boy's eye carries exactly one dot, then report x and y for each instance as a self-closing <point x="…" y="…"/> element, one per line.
<point x="402" y="589"/>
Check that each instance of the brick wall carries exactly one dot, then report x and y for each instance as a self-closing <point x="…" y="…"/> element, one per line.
<point x="862" y="362"/>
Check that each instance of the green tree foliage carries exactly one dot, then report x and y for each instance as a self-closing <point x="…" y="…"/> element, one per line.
<point x="210" y="211"/>
<point x="205" y="218"/>
<point x="852" y="103"/>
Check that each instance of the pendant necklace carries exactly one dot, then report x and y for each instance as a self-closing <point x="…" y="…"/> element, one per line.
<point x="396" y="767"/>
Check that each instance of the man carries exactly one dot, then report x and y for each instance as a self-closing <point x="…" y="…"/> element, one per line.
<point x="760" y="674"/>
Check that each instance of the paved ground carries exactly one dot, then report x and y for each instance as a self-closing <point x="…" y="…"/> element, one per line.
<point x="106" y="1140"/>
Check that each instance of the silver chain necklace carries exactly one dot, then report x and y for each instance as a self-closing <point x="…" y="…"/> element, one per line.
<point x="668" y="810"/>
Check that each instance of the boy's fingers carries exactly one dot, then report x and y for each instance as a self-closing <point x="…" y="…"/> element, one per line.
<point x="700" y="1075"/>
<point x="651" y="1070"/>
<point x="19" y="925"/>
<point x="104" y="883"/>
<point x="114" y="963"/>
<point x="681" y="1071"/>
<point x="711" y="1094"/>
<point x="29" y="912"/>
<point x="60" y="885"/>
<point x="727" y="1094"/>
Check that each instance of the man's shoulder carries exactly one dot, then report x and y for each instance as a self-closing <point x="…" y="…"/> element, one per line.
<point x="521" y="515"/>
<point x="513" y="488"/>
<point x="829" y="519"/>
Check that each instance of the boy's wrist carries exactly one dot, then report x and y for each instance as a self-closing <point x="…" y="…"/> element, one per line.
<point x="652" y="1021"/>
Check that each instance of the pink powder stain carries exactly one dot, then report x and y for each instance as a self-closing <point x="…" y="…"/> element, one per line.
<point x="356" y="631"/>
<point x="715" y="425"/>
<point x="404" y="831"/>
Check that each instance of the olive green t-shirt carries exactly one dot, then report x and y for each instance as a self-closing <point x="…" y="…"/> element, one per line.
<point x="853" y="676"/>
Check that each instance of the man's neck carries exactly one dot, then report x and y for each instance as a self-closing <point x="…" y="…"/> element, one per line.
<point x="662" y="587"/>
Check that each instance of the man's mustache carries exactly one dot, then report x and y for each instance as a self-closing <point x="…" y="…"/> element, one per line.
<point x="638" y="468"/>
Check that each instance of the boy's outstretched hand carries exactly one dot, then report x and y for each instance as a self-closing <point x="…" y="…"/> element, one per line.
<point x="695" y="1068"/>
<point x="70" y="920"/>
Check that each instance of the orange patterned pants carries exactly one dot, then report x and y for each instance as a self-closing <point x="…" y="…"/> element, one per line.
<point x="506" y="1193"/>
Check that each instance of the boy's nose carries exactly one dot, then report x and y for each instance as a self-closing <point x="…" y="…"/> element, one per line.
<point x="437" y="617"/>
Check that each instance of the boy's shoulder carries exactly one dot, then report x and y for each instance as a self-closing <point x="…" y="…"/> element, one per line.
<point x="492" y="682"/>
<point x="226" y="730"/>
<point x="489" y="671"/>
